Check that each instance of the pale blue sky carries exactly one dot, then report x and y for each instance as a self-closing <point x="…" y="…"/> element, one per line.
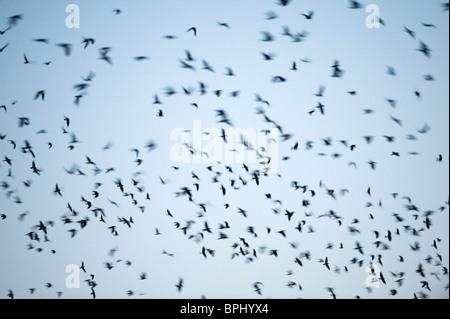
<point x="118" y="108"/>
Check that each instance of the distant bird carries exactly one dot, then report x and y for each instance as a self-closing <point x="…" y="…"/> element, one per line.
<point x="179" y="285"/>
<point x="223" y="24"/>
<point x="308" y="16"/>
<point x="4" y="47"/>
<point x="294" y="66"/>
<point x="267" y="37"/>
<point x="26" y="61"/>
<point x="143" y="276"/>
<point x="193" y="29"/>
<point x="331" y="291"/>
<point x="4" y="31"/>
<point x="372" y="164"/>
<point x="141" y="58"/>
<point x="67" y="48"/>
<point x="87" y="42"/>
<point x="40" y="94"/>
<point x="424" y="49"/>
<point x="13" y="20"/>
<point x="270" y="15"/>
<point x="410" y="32"/>
<point x="428" y="25"/>
<point x="355" y="4"/>
<point x="391" y="71"/>
<point x="268" y="56"/>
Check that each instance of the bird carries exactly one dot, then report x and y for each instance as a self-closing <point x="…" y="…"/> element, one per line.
<point x="391" y="71"/>
<point x="223" y="24"/>
<point x="283" y="2"/>
<point x="271" y="15"/>
<point x="179" y="285"/>
<point x="4" y="47"/>
<point x="424" y="49"/>
<point x="309" y="15"/>
<point x="410" y="32"/>
<point x="4" y="31"/>
<point x="67" y="48"/>
<point x="141" y="58"/>
<point x="26" y="61"/>
<point x="331" y="291"/>
<point x="14" y="20"/>
<point x="87" y="42"/>
<point x="143" y="276"/>
<point x="355" y="4"/>
<point x="267" y="56"/>
<point x="267" y="37"/>
<point x="40" y="94"/>
<point x="193" y="29"/>
<point x="428" y="25"/>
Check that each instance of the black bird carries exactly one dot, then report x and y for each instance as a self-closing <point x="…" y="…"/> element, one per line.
<point x="39" y="94"/>
<point x="179" y="285"/>
<point x="308" y="16"/>
<point x="321" y="91"/>
<point x="87" y="42"/>
<point x="57" y="190"/>
<point x="424" y="49"/>
<point x="25" y="59"/>
<point x="321" y="107"/>
<point x="331" y="291"/>
<point x="13" y="20"/>
<point x="326" y="264"/>
<point x="67" y="48"/>
<point x="4" y="31"/>
<point x="283" y="2"/>
<point x="355" y="4"/>
<point x="391" y="71"/>
<point x="82" y="267"/>
<point x="267" y="56"/>
<point x="428" y="25"/>
<point x="420" y="270"/>
<point x="294" y="66"/>
<point x="270" y="15"/>
<point x="185" y="65"/>
<point x="193" y="29"/>
<point x="267" y="37"/>
<point x="4" y="47"/>
<point x="410" y="32"/>
<point x="143" y="276"/>
<point x="189" y="57"/>
<point x="141" y="58"/>
<point x="223" y="24"/>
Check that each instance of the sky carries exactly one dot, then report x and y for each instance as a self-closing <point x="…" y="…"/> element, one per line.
<point x="343" y="201"/>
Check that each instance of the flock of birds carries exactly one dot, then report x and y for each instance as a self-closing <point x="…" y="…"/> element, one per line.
<point x="413" y="222"/>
